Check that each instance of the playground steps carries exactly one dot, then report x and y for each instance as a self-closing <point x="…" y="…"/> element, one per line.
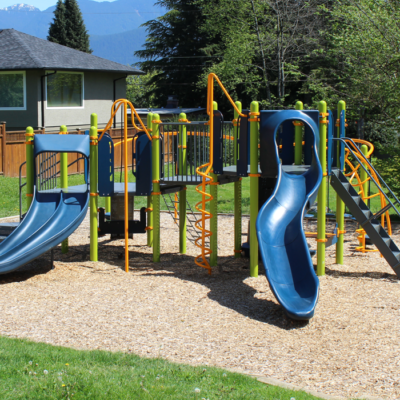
<point x="368" y="220"/>
<point x="6" y="228"/>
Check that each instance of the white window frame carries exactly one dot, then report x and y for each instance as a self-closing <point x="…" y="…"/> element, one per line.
<point x="23" y="73"/>
<point x="83" y="91"/>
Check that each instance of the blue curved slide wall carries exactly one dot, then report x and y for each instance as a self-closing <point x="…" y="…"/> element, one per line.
<point x="53" y="216"/>
<point x="279" y="225"/>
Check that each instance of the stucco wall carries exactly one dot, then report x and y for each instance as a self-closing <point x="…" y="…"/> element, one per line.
<point x="18" y="119"/>
<point x="98" y="98"/>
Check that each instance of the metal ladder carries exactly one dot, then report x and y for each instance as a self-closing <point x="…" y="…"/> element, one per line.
<point x="364" y="216"/>
<point x="173" y="209"/>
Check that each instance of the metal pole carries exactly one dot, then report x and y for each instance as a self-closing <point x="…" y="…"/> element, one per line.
<point x="254" y="183"/>
<point x="237" y="192"/>
<point x="156" y="187"/>
<point x="339" y="203"/>
<point x="30" y="167"/>
<point x="321" y="228"/>
<point x="64" y="179"/>
<point x="93" y="195"/>
<point x="182" y="194"/>
<point x="298" y="137"/>
<point x="149" y="198"/>
<point x="213" y="211"/>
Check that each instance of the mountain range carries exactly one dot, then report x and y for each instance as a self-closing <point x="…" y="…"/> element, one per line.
<point x="114" y="27"/>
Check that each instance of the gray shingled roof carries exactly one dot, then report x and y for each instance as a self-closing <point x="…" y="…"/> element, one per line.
<point x="19" y="51"/>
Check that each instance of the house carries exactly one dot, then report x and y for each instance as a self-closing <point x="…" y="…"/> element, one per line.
<point x="45" y="85"/>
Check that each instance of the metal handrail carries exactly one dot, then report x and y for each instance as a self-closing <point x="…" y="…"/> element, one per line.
<point x="368" y="173"/>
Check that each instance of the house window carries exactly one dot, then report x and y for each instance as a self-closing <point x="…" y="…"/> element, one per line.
<point x="65" y="90"/>
<point x="12" y="91"/>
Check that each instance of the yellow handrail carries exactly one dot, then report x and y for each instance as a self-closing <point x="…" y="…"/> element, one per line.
<point x="207" y="179"/>
<point x="355" y="174"/>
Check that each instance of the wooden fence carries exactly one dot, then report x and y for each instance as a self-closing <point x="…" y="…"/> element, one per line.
<point x="12" y="150"/>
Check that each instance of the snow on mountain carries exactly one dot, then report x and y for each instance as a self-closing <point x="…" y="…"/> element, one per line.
<point x="20" y="7"/>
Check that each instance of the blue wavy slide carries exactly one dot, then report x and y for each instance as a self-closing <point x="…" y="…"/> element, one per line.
<point x="279" y="226"/>
<point x="53" y="216"/>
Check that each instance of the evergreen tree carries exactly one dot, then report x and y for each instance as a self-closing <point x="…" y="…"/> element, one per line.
<point x="68" y="27"/>
<point x="173" y="51"/>
<point x="57" y="30"/>
<point x="77" y="36"/>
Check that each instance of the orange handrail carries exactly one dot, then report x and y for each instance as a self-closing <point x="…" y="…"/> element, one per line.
<point x="355" y="174"/>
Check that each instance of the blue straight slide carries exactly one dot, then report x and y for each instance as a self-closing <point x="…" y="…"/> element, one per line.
<point x="54" y="214"/>
<point x="279" y="226"/>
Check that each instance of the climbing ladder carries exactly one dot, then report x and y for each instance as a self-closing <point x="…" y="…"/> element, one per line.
<point x="364" y="216"/>
<point x="172" y="205"/>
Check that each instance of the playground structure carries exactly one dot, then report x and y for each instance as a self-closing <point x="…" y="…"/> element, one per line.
<point x="289" y="155"/>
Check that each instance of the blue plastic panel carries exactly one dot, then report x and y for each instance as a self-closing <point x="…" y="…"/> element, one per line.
<point x="218" y="142"/>
<point x="106" y="166"/>
<point x="330" y="155"/>
<point x="242" y="161"/>
<point x="287" y="138"/>
<point x="143" y="171"/>
<point x="62" y="144"/>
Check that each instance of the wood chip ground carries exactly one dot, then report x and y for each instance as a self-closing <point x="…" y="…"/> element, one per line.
<point x="175" y="310"/>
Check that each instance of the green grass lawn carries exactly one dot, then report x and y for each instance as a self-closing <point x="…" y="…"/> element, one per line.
<point x="39" y="371"/>
<point x="9" y="201"/>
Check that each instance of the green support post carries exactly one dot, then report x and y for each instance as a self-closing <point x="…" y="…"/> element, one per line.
<point x="339" y="203"/>
<point x="182" y="163"/>
<point x="93" y="195"/>
<point x="254" y="182"/>
<point x="156" y="188"/>
<point x="149" y="198"/>
<point x="214" y="213"/>
<point x="298" y="137"/>
<point x="64" y="180"/>
<point x="237" y="194"/>
<point x="93" y="122"/>
<point x="321" y="212"/>
<point x="29" y="166"/>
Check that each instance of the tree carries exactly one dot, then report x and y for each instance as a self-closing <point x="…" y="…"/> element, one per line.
<point x="57" y="30"/>
<point x="68" y="28"/>
<point x="264" y="43"/>
<point x="139" y="92"/>
<point x="174" y="49"/>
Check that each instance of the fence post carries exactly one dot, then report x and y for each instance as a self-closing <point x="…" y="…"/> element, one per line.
<point x="149" y="198"/>
<point x="321" y="227"/>
<point x="29" y="165"/>
<point x="156" y="187"/>
<point x="182" y="194"/>
<point x="4" y="149"/>
<point x="254" y="187"/>
<point x="238" y="193"/>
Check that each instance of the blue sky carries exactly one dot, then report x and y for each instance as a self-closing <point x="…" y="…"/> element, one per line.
<point x="40" y="4"/>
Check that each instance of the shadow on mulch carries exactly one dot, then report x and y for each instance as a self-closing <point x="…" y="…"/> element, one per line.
<point x="226" y="284"/>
